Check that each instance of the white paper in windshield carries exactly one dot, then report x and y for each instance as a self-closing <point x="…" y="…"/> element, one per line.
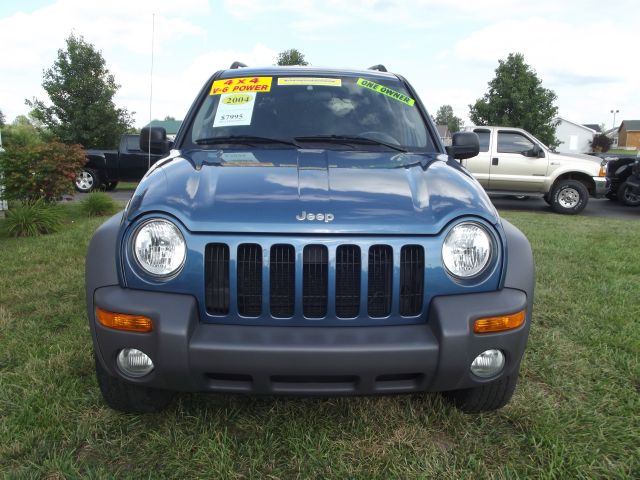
<point x="235" y="109"/>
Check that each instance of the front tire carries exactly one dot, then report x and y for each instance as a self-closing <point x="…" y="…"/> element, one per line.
<point x="490" y="396"/>
<point x="626" y="197"/>
<point x="110" y="186"/>
<point x="86" y="180"/>
<point x="130" y="398"/>
<point x="569" y="197"/>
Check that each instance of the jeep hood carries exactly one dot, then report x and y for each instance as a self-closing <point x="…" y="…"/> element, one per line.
<point x="365" y="194"/>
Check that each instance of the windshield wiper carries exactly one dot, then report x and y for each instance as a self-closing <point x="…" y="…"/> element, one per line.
<point x="244" y="139"/>
<point x="349" y="139"/>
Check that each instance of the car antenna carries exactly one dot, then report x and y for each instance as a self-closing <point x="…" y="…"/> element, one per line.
<point x="153" y="27"/>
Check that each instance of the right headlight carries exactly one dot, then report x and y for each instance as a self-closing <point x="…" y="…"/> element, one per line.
<point x="159" y="247"/>
<point x="467" y="250"/>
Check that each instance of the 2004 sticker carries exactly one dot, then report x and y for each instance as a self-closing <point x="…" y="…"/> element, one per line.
<point x="240" y="85"/>
<point x="236" y="99"/>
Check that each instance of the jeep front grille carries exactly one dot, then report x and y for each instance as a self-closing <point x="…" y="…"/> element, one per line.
<point x="314" y="281"/>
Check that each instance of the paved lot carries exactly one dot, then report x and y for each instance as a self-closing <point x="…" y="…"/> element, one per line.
<point x="600" y="207"/>
<point x="595" y="207"/>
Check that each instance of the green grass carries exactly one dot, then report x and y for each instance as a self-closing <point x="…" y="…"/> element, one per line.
<point x="126" y="186"/>
<point x="621" y="151"/>
<point x="575" y="414"/>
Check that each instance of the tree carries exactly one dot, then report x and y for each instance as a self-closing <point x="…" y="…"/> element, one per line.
<point x="23" y="133"/>
<point x="445" y="116"/>
<point x="516" y="98"/>
<point x="291" y="57"/>
<point x="2" y="120"/>
<point x="81" y="89"/>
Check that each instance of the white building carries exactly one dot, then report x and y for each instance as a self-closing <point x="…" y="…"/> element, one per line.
<point x="575" y="138"/>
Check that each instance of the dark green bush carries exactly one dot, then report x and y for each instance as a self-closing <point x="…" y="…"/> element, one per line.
<point x="32" y="219"/>
<point x="42" y="171"/>
<point x="97" y="204"/>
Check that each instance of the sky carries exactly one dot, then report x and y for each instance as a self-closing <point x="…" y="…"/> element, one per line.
<point x="586" y="51"/>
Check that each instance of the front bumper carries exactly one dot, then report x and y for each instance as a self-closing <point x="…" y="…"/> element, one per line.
<point x="601" y="186"/>
<point x="193" y="356"/>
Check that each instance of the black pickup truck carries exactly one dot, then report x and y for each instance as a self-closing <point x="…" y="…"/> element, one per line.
<point x="105" y="168"/>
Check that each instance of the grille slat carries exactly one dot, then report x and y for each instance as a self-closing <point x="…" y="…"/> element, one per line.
<point x="411" y="280"/>
<point x="282" y="276"/>
<point x="249" y="279"/>
<point x="217" y="278"/>
<point x="259" y="289"/>
<point x="315" y="263"/>
<point x="348" y="270"/>
<point x="380" y="280"/>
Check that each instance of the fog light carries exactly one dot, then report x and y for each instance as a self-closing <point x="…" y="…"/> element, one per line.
<point x="488" y="363"/>
<point x="134" y="362"/>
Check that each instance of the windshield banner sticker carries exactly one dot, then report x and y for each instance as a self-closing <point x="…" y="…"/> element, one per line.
<point x="235" y="109"/>
<point x="316" y="81"/>
<point x="376" y="87"/>
<point x="241" y="85"/>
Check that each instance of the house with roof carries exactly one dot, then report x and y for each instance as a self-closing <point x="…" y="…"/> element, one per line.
<point x="593" y="126"/>
<point x="629" y="134"/>
<point x="170" y="125"/>
<point x="444" y="134"/>
<point x="574" y="137"/>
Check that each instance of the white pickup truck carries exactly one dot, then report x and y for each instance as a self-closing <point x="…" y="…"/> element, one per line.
<point x="514" y="162"/>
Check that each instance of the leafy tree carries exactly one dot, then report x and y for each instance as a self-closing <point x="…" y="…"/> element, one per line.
<point x="291" y="57"/>
<point x="516" y="98"/>
<point x="22" y="133"/>
<point x="2" y="119"/>
<point x="81" y="89"/>
<point x="445" y="116"/>
<point x="169" y="118"/>
<point x="601" y="143"/>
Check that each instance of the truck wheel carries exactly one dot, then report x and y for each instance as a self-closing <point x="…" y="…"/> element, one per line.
<point x="488" y="397"/>
<point x="569" y="197"/>
<point x="547" y="199"/>
<point x="130" y="398"/>
<point x="110" y="186"/>
<point x="86" y="180"/>
<point x="626" y="197"/>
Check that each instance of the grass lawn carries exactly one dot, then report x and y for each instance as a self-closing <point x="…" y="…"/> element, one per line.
<point x="575" y="414"/>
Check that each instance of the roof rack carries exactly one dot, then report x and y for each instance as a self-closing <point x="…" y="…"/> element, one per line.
<point x="235" y="65"/>
<point x="379" y="67"/>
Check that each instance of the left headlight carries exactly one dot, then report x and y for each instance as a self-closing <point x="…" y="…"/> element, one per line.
<point x="159" y="247"/>
<point x="467" y="250"/>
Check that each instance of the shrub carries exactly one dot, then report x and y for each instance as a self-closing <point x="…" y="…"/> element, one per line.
<point x="32" y="219"/>
<point x="97" y="204"/>
<point x="601" y="143"/>
<point x="42" y="171"/>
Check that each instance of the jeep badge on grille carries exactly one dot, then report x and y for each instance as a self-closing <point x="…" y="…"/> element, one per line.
<point x="319" y="217"/>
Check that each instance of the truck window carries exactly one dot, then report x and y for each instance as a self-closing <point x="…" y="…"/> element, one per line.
<point x="513" y="142"/>
<point x="133" y="144"/>
<point x="484" y="136"/>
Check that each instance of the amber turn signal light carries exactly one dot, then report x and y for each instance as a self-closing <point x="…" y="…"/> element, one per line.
<point x="499" y="324"/>
<point x="603" y="171"/>
<point x="124" y="321"/>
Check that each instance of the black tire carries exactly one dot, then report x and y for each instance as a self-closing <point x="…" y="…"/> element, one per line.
<point x="547" y="199"/>
<point x="110" y="186"/>
<point x="87" y="180"/>
<point x="130" y="398"/>
<point x="488" y="397"/>
<point x="569" y="197"/>
<point x="626" y="197"/>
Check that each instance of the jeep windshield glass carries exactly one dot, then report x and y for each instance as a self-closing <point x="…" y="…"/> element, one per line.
<point x="364" y="113"/>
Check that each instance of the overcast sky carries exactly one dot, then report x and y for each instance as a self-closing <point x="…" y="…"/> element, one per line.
<point x="586" y="51"/>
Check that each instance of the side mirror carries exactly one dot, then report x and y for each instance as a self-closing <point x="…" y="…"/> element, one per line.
<point x="154" y="140"/>
<point x="464" y="145"/>
<point x="535" y="152"/>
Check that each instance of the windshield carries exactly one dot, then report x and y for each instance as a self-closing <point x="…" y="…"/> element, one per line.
<point x="336" y="112"/>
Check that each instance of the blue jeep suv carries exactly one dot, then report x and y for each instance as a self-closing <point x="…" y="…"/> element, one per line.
<point x="307" y="233"/>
